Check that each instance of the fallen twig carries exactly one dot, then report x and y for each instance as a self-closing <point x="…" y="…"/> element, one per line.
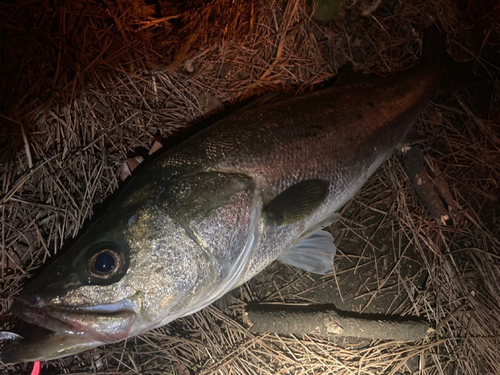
<point x="292" y="319"/>
<point x="422" y="184"/>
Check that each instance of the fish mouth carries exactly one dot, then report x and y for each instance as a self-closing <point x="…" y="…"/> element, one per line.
<point x="104" y="323"/>
<point x="51" y="332"/>
<point x="40" y="344"/>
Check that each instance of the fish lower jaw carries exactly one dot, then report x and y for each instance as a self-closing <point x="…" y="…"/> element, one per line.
<point x="95" y="325"/>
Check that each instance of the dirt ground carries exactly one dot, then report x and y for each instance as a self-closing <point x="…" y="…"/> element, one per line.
<point x="86" y="85"/>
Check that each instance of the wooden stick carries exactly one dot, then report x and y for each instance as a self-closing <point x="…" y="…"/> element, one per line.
<point x="290" y="319"/>
<point x="423" y="186"/>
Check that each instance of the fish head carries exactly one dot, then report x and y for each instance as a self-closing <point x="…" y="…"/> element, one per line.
<point x="154" y="256"/>
<point x="128" y="273"/>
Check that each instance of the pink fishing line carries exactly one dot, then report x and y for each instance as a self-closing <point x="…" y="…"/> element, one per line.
<point x="36" y="368"/>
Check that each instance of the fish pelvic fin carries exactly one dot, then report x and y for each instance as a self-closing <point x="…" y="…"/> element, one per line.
<point x="314" y="253"/>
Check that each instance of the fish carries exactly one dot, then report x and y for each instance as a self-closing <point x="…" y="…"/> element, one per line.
<point x="209" y="214"/>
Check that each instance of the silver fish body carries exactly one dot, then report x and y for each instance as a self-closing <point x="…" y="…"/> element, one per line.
<point x="211" y="213"/>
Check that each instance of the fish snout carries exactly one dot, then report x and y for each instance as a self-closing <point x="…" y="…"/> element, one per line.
<point x="29" y="308"/>
<point x="32" y="300"/>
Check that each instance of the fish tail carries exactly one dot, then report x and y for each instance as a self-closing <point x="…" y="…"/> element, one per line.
<point x="435" y="52"/>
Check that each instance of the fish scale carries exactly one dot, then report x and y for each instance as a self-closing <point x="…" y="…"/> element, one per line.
<point x="339" y="135"/>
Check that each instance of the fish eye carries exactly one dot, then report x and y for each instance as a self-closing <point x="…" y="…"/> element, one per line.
<point x="105" y="262"/>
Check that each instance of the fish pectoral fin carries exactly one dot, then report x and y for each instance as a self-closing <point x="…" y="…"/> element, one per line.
<point x="297" y="202"/>
<point x="314" y="253"/>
